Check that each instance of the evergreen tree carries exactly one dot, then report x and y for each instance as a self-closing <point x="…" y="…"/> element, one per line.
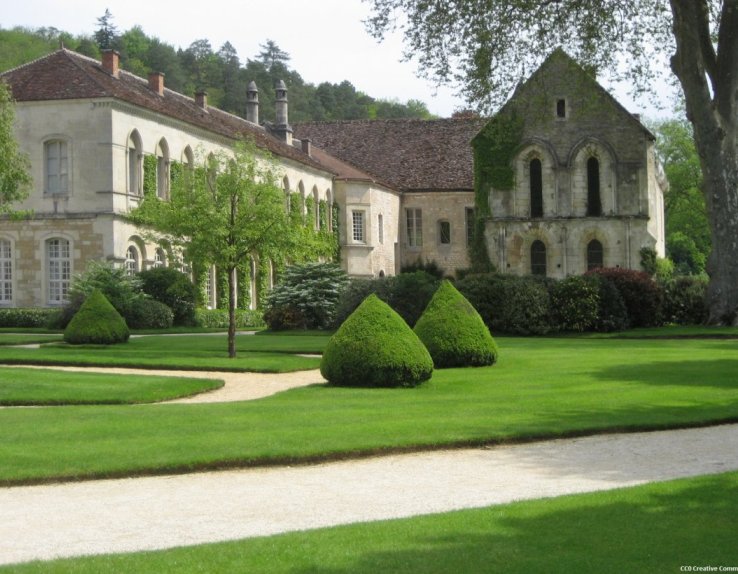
<point x="107" y="32"/>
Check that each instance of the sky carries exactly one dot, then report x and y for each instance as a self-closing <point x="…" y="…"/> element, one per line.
<point x="326" y="39"/>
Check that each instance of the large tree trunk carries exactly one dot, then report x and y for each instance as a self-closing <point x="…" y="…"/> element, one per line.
<point x="232" y="313"/>
<point x="710" y="83"/>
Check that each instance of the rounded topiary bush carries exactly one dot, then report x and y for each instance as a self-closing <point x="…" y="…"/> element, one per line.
<point x="453" y="332"/>
<point x="96" y="322"/>
<point x="150" y="314"/>
<point x="375" y="348"/>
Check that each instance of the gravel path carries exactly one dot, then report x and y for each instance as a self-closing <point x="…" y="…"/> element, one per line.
<point x="42" y="522"/>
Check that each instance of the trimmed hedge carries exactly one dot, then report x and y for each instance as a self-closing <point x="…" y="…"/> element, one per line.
<point x="28" y="317"/>
<point x="149" y="314"/>
<point x="375" y="348"/>
<point x="453" y="332"/>
<point x="513" y="304"/>
<point x="97" y="322"/>
<point x="575" y="303"/>
<point x="218" y="318"/>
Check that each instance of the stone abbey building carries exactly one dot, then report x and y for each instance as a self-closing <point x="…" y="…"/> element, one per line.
<point x="562" y="178"/>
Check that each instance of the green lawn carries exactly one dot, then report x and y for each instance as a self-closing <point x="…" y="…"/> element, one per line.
<point x="184" y="352"/>
<point x="20" y="386"/>
<point x="659" y="527"/>
<point x="27" y="338"/>
<point x="540" y="388"/>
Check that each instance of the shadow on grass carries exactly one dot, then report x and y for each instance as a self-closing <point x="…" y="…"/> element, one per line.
<point x="718" y="373"/>
<point x="642" y="530"/>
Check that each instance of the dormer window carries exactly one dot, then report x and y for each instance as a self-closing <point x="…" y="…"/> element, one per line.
<point x="561" y="108"/>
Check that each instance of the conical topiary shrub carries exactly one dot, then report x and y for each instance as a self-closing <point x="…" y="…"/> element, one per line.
<point x="453" y="332"/>
<point x="96" y="322"/>
<point x="374" y="347"/>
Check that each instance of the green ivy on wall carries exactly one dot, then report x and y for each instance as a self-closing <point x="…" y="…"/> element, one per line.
<point x="494" y="150"/>
<point x="323" y="214"/>
<point x="175" y="172"/>
<point x="149" y="175"/>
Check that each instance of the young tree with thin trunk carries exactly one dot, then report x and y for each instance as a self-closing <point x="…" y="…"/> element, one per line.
<point x="225" y="213"/>
<point x="487" y="47"/>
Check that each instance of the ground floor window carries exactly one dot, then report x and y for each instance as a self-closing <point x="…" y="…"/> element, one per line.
<point x="595" y="255"/>
<point x="414" y="224"/>
<point x="59" y="269"/>
<point x="444" y="232"/>
<point x="357" y="222"/>
<point x="132" y="260"/>
<point x="6" y="273"/>
<point x="538" y="258"/>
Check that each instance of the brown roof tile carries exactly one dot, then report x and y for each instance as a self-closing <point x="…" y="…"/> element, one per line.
<point x="408" y="154"/>
<point x="67" y="75"/>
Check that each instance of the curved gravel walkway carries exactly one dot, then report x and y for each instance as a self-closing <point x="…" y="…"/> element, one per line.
<point x="43" y="522"/>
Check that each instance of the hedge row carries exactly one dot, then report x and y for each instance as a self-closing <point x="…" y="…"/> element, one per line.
<point x="218" y="318"/>
<point x="22" y="317"/>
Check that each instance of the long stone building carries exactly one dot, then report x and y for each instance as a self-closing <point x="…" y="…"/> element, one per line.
<point x="406" y="189"/>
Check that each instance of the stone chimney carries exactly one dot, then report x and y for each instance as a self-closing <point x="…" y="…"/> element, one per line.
<point x="201" y="99"/>
<point x="307" y="147"/>
<point x="156" y="82"/>
<point x="252" y="103"/>
<point x="111" y="62"/>
<point x="282" y="128"/>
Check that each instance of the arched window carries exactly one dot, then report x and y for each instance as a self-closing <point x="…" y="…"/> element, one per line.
<point x="538" y="258"/>
<point x="132" y="260"/>
<point x="58" y="269"/>
<point x="6" y="272"/>
<point x="162" y="169"/>
<point x="57" y="167"/>
<point x="135" y="163"/>
<point x="594" y="203"/>
<point x="595" y="255"/>
<point x="536" y="188"/>
<point x="160" y="257"/>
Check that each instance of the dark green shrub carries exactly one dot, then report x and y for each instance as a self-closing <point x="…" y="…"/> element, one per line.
<point x="575" y="303"/>
<point x="407" y="293"/>
<point x="509" y="303"/>
<point x="684" y="300"/>
<point x="97" y="322"/>
<point x="375" y="348"/>
<point x="612" y="314"/>
<point x="174" y="289"/>
<point x="643" y="297"/>
<point x="306" y="297"/>
<point x="430" y="267"/>
<point x="27" y="317"/>
<point x="150" y="314"/>
<point x="453" y="332"/>
<point x="122" y="290"/>
<point x="218" y="318"/>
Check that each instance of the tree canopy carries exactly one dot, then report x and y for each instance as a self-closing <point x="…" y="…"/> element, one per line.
<point x="15" y="179"/>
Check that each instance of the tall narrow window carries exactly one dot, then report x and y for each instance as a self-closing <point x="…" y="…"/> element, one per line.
<point x="470" y="217"/>
<point x="357" y="222"/>
<point x="561" y="108"/>
<point x="160" y="258"/>
<point x="444" y="232"/>
<point x="135" y="163"/>
<point x="414" y="227"/>
<point x="6" y="273"/>
<point x="538" y="258"/>
<point x="57" y="167"/>
<point x="595" y="255"/>
<point x="316" y="208"/>
<point x="380" y="228"/>
<point x="594" y="204"/>
<point x="162" y="169"/>
<point x="132" y="260"/>
<point x="536" y="188"/>
<point x="59" y="269"/>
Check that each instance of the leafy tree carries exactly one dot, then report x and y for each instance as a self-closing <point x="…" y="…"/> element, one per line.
<point x="486" y="48"/>
<point x="687" y="228"/>
<point x="107" y="32"/>
<point x="224" y="215"/>
<point x="14" y="164"/>
<point x="271" y="54"/>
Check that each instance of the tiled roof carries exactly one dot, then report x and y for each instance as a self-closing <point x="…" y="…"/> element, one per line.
<point x="64" y="75"/>
<point x="408" y="154"/>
